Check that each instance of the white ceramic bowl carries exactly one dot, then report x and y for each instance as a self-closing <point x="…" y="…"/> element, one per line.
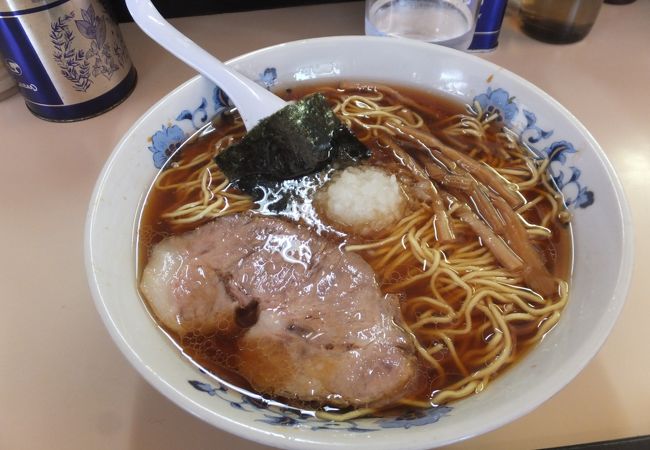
<point x="602" y="232"/>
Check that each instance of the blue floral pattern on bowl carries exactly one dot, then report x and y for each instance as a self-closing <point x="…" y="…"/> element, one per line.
<point x="498" y="102"/>
<point x="493" y="101"/>
<point x="166" y="141"/>
<point x="290" y="417"/>
<point x="539" y="142"/>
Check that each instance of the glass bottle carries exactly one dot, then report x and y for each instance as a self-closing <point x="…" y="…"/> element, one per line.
<point x="558" y="21"/>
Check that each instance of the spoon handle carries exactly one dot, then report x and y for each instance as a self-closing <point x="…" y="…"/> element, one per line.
<point x="252" y="100"/>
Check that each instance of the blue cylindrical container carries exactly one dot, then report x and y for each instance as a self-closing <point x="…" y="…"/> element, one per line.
<point x="488" y="25"/>
<point x="67" y="56"/>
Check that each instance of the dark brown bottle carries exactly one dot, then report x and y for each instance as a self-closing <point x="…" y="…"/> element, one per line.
<point x="558" y="21"/>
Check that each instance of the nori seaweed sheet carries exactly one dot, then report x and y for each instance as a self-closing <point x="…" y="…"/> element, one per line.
<point x="300" y="139"/>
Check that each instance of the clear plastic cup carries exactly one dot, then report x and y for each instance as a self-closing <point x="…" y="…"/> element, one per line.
<point x="446" y="22"/>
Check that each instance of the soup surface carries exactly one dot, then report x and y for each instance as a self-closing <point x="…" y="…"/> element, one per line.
<point x="478" y="255"/>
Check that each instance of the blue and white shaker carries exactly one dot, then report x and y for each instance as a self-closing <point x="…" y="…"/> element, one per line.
<point x="67" y="57"/>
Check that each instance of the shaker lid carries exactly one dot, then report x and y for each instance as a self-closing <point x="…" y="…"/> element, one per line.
<point x="11" y="8"/>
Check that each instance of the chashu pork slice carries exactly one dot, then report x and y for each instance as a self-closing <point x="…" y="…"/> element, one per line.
<point x="310" y="321"/>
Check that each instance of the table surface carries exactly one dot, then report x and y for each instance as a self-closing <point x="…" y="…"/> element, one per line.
<point x="64" y="385"/>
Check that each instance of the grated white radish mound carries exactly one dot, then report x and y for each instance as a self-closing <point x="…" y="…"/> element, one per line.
<point x="364" y="199"/>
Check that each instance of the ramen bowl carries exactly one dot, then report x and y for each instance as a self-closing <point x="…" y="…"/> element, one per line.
<point x="601" y="228"/>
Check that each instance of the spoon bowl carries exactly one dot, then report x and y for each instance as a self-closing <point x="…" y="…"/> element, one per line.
<point x="253" y="101"/>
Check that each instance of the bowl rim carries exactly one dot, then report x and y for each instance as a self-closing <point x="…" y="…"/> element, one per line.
<point x="246" y="431"/>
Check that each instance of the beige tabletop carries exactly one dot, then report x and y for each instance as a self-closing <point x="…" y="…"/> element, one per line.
<point x="64" y="385"/>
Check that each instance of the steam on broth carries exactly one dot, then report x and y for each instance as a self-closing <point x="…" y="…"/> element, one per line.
<point x="478" y="257"/>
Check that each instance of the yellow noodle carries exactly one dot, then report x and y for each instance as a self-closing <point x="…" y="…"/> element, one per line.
<point x="342" y="417"/>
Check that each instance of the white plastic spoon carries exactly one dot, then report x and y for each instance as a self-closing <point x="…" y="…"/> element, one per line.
<point x="252" y="100"/>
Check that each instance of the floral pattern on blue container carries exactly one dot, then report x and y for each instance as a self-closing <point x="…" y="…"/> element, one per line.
<point x="80" y="64"/>
<point x="290" y="417"/>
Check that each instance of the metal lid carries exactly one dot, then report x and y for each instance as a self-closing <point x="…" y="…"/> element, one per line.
<point x="10" y="8"/>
